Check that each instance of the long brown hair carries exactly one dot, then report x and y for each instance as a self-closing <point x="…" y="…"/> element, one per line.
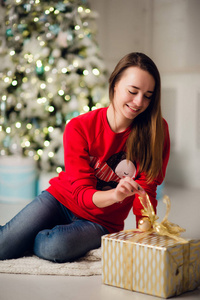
<point x="145" y="142"/>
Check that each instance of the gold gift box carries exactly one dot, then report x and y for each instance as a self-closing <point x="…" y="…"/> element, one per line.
<point x="150" y="263"/>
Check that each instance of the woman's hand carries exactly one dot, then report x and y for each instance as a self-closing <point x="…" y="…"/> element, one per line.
<point x="127" y="187"/>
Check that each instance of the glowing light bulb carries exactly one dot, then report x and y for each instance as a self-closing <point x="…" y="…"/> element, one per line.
<point x="40" y="152"/>
<point x="8" y="130"/>
<point x="18" y="125"/>
<point x="80" y="9"/>
<point x="46" y="143"/>
<point x="64" y="70"/>
<point x="61" y="92"/>
<point x="12" y="52"/>
<point x="36" y="157"/>
<point x="45" y="130"/>
<point x="6" y="79"/>
<point x="86" y="108"/>
<point x="49" y="80"/>
<point x="58" y="169"/>
<point x="50" y="129"/>
<point x="77" y="27"/>
<point x="27" y="144"/>
<point x="14" y="83"/>
<point x="75" y="63"/>
<point x="39" y="100"/>
<point x="85" y="72"/>
<point x="67" y="97"/>
<point x="51" y="154"/>
<point x="43" y="86"/>
<point x="39" y="63"/>
<point x="24" y="79"/>
<point x="51" y="109"/>
<point x="95" y="71"/>
<point x="29" y="126"/>
<point x="46" y="68"/>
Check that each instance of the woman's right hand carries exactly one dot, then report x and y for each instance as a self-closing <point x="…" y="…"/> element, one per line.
<point x="126" y="187"/>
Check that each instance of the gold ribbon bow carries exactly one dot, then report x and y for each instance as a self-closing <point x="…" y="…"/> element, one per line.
<point x="165" y="227"/>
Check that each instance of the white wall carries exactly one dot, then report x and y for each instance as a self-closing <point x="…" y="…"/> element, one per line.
<point x="176" y="38"/>
<point x="123" y="26"/>
<point x="167" y="31"/>
<point x="176" y="48"/>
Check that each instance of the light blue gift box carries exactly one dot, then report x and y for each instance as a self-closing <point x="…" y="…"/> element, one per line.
<point x="17" y="179"/>
<point x="160" y="193"/>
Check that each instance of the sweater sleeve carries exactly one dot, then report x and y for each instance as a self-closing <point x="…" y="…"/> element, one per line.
<point x="77" y="164"/>
<point x="151" y="187"/>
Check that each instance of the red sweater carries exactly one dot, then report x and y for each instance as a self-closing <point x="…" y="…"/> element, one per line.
<point x="95" y="160"/>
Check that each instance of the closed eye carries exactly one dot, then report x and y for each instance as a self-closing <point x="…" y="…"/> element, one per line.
<point x="135" y="93"/>
<point x="132" y="93"/>
<point x="150" y="97"/>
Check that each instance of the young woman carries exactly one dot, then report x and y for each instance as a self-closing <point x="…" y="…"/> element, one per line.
<point x="112" y="156"/>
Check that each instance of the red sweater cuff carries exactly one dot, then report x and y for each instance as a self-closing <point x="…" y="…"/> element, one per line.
<point x="87" y="196"/>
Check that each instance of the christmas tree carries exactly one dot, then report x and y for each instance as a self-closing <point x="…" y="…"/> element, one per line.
<point x="51" y="70"/>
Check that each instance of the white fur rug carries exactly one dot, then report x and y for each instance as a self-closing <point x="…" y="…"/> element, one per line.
<point x="88" y="265"/>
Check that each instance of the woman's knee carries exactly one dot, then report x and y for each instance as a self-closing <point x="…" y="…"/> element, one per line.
<point x="48" y="245"/>
<point x="67" y="242"/>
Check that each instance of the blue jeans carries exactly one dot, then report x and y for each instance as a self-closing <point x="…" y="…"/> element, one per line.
<point x="49" y="230"/>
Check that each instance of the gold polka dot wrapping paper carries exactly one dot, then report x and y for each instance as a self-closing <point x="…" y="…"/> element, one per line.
<point x="150" y="262"/>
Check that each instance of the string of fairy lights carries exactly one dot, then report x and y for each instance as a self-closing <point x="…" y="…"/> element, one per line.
<point x="51" y="71"/>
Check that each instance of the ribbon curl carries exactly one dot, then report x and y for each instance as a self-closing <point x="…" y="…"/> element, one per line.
<point x="165" y="227"/>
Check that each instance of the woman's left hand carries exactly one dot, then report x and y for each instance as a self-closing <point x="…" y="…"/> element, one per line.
<point x="127" y="187"/>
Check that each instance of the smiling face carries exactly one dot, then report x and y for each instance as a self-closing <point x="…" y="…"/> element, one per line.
<point x="132" y="94"/>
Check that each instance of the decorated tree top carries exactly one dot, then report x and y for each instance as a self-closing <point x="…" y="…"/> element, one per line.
<point x="51" y="70"/>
